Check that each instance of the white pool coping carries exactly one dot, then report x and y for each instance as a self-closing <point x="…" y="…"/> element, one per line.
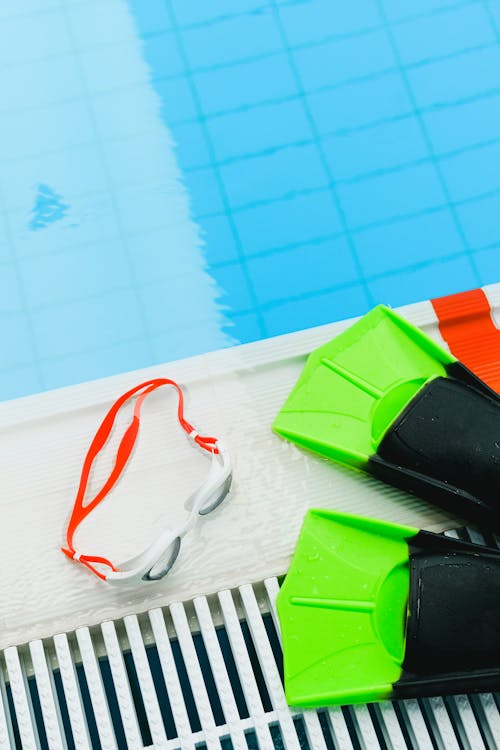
<point x="234" y="393"/>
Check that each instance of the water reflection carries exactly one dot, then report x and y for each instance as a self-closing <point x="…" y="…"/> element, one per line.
<point x="103" y="262"/>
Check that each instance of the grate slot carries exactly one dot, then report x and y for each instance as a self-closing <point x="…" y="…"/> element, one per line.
<point x="277" y="737"/>
<point x="8" y="724"/>
<point x="220" y="673"/>
<point x="37" y="711"/>
<point x="72" y="694"/>
<point x="171" y="677"/>
<point x="198" y="687"/>
<point x="232" y="671"/>
<point x="386" y="724"/>
<point x="339" y="729"/>
<point x="165" y="707"/>
<point x="275" y="643"/>
<point x="96" y="691"/>
<point x="208" y="678"/>
<point x="438" y="723"/>
<point x="300" y="728"/>
<point x="413" y="725"/>
<point x="109" y="689"/>
<point x="194" y="719"/>
<point x="87" y="707"/>
<point x="63" y="708"/>
<point x="246" y="673"/>
<point x="325" y="727"/>
<point x="487" y="717"/>
<point x="362" y="727"/>
<point x="51" y="720"/>
<point x="21" y="699"/>
<point x="254" y="661"/>
<point x="15" y="727"/>
<point x="145" y="678"/>
<point x="269" y="667"/>
<point x="465" y="722"/>
<point x="122" y="685"/>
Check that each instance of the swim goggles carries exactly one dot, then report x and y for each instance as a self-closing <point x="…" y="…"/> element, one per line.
<point x="156" y="560"/>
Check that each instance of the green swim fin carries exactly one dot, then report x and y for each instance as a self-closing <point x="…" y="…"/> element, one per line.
<point x="385" y="398"/>
<point x="371" y="610"/>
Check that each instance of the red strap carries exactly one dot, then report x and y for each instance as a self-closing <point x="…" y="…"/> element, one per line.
<point x="467" y="327"/>
<point x="81" y="511"/>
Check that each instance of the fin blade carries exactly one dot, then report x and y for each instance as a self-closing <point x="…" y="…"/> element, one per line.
<point x="369" y="372"/>
<point x="342" y="609"/>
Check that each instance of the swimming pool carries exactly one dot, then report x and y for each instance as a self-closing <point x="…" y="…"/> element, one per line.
<point x="177" y="177"/>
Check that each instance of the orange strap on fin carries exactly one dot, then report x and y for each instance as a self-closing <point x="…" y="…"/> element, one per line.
<point x="467" y="327"/>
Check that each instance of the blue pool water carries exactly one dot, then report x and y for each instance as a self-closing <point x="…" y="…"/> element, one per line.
<point x="177" y="176"/>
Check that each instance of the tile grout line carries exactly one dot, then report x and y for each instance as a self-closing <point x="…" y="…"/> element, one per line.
<point x="218" y="176"/>
<point x="317" y="140"/>
<point x="354" y="179"/>
<point x="402" y="216"/>
<point x="110" y="190"/>
<point x="26" y="310"/>
<point x="423" y="129"/>
<point x="360" y="127"/>
<point x="320" y="89"/>
<point x="316" y="239"/>
<point x="311" y="44"/>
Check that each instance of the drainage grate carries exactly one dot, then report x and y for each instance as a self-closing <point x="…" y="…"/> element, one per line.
<point x="206" y="674"/>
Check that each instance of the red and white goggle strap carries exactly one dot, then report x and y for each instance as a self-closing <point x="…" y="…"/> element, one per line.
<point x="125" y="448"/>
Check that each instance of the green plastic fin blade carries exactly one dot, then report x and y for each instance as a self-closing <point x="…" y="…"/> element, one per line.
<point x="343" y="608"/>
<point x="354" y="387"/>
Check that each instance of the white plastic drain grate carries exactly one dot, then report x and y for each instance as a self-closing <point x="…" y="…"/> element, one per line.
<point x="206" y="674"/>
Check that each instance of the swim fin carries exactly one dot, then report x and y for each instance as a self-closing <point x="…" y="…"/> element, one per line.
<point x="385" y="398"/>
<point x="370" y="610"/>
